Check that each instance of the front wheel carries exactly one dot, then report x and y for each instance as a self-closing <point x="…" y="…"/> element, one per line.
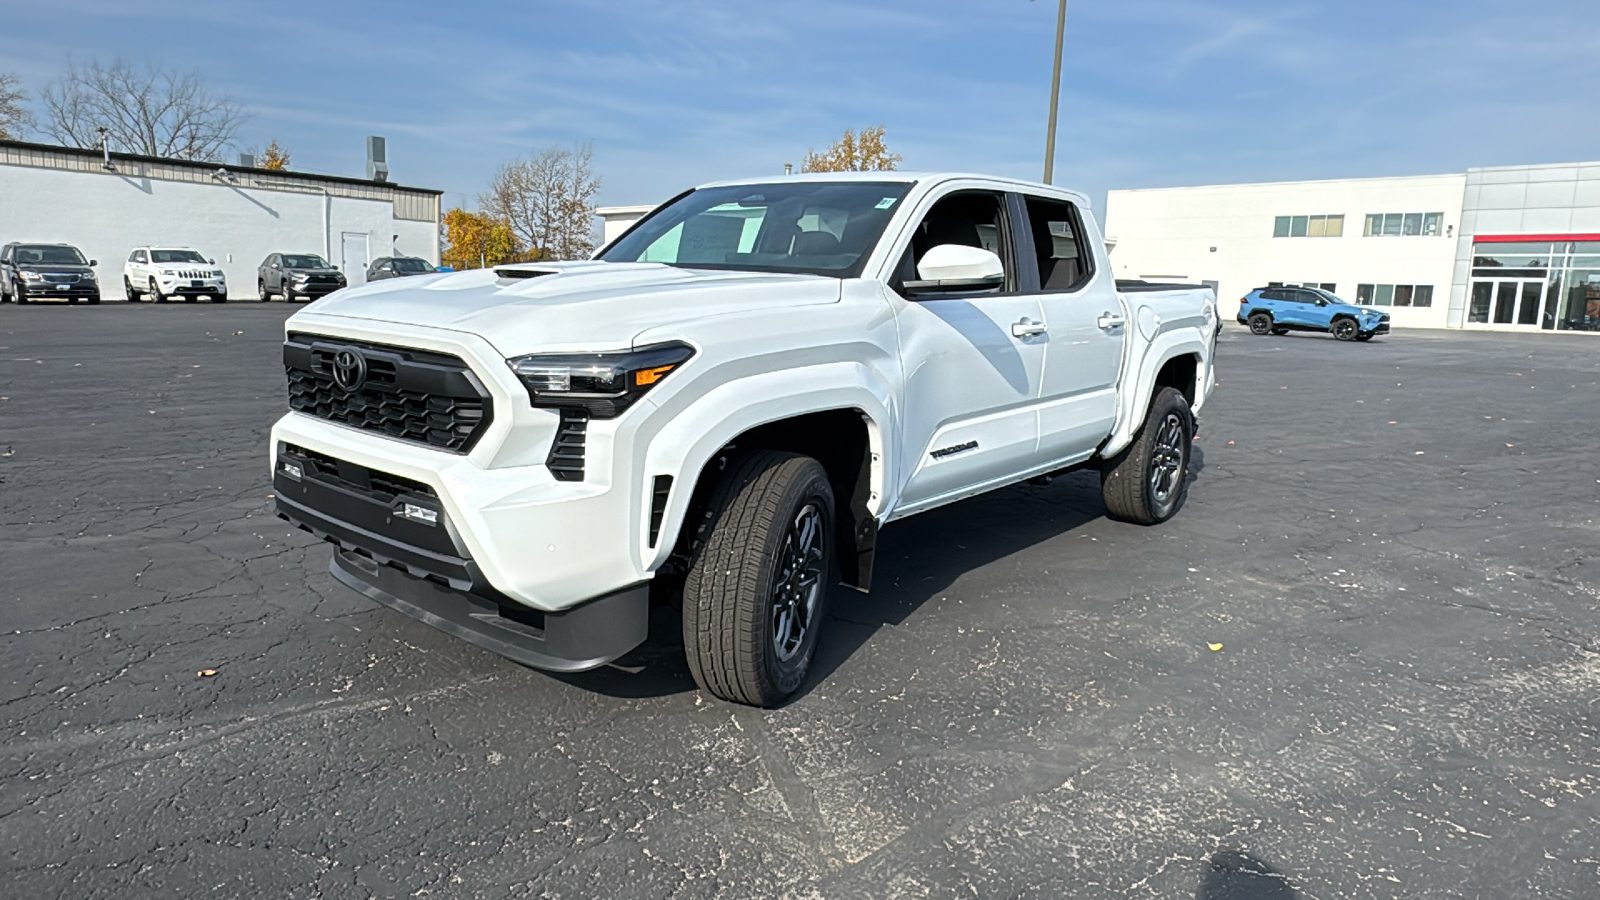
<point x="1344" y="329"/>
<point x="155" y="292"/>
<point x="755" y="598"/>
<point x="128" y="291"/>
<point x="1146" y="482"/>
<point x="1260" y="323"/>
<point x="261" y="289"/>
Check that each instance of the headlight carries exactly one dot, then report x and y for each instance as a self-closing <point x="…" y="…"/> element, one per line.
<point x="603" y="384"/>
<point x="216" y="273"/>
<point x="31" y="276"/>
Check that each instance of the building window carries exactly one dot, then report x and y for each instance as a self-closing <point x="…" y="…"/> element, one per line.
<point x="1394" y="294"/>
<point x="1403" y="224"/>
<point x="1308" y="226"/>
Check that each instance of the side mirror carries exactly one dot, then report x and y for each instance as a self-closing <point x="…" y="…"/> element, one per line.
<point x="94" y="262"/>
<point x="211" y="262"/>
<point x="956" y="268"/>
<point x="1322" y="301"/>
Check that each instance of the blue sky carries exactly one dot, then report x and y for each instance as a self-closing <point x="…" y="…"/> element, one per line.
<point x="675" y="92"/>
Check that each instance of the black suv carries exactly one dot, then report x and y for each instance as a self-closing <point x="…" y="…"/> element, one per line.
<point x="41" y="271"/>
<point x="398" y="267"/>
<point x="297" y="275"/>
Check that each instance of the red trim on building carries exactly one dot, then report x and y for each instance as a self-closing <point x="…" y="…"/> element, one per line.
<point x="1524" y="238"/>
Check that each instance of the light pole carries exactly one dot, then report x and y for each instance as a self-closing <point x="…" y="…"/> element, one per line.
<point x="1055" y="95"/>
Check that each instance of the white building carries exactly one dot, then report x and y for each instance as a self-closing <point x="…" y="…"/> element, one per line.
<point x="107" y="205"/>
<point x="614" y="220"/>
<point x="1504" y="248"/>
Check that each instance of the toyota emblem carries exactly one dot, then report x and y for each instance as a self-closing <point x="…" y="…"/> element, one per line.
<point x="349" y="370"/>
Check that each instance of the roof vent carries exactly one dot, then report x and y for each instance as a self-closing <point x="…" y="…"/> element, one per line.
<point x="377" y="158"/>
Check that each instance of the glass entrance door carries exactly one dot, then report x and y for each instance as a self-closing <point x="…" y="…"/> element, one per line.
<point x="1509" y="303"/>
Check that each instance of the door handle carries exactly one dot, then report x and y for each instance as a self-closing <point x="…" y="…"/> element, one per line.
<point x="1107" y="321"/>
<point x="1026" y="327"/>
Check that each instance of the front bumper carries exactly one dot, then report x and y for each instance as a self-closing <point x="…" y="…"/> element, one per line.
<point x="397" y="544"/>
<point x="193" y="287"/>
<point x="44" y="290"/>
<point x="311" y="288"/>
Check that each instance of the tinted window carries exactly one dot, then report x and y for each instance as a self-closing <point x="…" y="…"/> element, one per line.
<point x="32" y="254"/>
<point x="1063" y="264"/>
<point x="176" y="256"/>
<point x="305" y="262"/>
<point x="411" y="266"/>
<point x="823" y="228"/>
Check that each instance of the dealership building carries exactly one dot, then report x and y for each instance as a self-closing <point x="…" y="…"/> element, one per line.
<point x="107" y="204"/>
<point x="1505" y="248"/>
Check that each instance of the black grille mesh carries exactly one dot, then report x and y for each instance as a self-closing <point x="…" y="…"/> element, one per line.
<point x="427" y="398"/>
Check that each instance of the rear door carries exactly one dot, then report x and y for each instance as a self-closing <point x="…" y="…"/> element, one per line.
<point x="1086" y="328"/>
<point x="973" y="360"/>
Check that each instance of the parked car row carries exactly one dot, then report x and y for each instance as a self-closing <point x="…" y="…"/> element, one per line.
<point x="61" y="272"/>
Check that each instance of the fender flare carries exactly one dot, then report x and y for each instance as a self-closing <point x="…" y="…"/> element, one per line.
<point x="1164" y="349"/>
<point x="695" y="434"/>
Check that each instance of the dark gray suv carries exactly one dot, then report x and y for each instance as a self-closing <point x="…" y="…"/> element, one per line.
<point x="398" y="267"/>
<point x="46" y="271"/>
<point x="296" y="275"/>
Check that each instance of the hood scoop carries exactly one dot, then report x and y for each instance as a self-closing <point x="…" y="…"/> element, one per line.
<point x="508" y="275"/>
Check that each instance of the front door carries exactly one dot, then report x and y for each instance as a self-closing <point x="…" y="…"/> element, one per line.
<point x="972" y="360"/>
<point x="354" y="262"/>
<point x="1515" y="303"/>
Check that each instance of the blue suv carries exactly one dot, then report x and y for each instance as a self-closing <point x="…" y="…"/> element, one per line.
<point x="1280" y="310"/>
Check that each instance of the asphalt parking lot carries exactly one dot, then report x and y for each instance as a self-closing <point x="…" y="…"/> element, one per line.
<point x="1394" y="544"/>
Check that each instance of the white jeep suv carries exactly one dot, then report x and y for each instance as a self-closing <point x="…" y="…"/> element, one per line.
<point x="163" y="272"/>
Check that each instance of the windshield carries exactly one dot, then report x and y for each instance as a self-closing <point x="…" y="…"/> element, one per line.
<point x="48" y="256"/>
<point x="1334" y="298"/>
<point x="176" y="256"/>
<point x="306" y="262"/>
<point x="407" y="265"/>
<point x="818" y="227"/>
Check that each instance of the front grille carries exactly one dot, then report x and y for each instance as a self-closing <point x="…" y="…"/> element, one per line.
<point x="192" y="273"/>
<point x="413" y="395"/>
<point x="61" y="279"/>
<point x="565" y="461"/>
<point x="349" y="475"/>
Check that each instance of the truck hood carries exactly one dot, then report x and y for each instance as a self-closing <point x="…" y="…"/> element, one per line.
<point x="571" y="306"/>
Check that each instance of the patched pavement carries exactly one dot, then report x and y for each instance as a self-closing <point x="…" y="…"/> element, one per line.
<point x="1393" y="543"/>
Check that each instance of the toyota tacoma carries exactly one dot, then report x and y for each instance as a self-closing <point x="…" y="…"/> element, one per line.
<point x="721" y="409"/>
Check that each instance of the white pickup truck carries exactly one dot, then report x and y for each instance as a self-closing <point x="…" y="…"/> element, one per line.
<point x="722" y="408"/>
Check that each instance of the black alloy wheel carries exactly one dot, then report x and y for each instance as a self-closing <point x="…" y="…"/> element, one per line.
<point x="755" y="598"/>
<point x="1260" y="323"/>
<point x="1345" y="329"/>
<point x="1146" y="482"/>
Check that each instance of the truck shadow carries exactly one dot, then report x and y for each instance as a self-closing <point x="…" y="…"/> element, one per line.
<point x="917" y="560"/>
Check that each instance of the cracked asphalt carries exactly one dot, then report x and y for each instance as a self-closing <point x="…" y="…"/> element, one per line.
<point x="1393" y="543"/>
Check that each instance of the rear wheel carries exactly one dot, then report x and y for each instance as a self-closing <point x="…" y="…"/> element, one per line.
<point x="1344" y="329"/>
<point x="1145" y="483"/>
<point x="1260" y="323"/>
<point x="754" y="601"/>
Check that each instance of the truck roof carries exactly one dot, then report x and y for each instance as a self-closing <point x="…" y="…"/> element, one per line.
<point x="908" y="177"/>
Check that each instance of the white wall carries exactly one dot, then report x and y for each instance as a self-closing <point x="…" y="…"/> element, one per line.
<point x="1169" y="233"/>
<point x="106" y="215"/>
<point x="617" y="219"/>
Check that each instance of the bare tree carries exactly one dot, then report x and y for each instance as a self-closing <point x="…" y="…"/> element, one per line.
<point x="14" y="116"/>
<point x="152" y="111"/>
<point x="548" y="199"/>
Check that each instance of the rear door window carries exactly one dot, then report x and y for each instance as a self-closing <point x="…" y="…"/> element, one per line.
<point x="1064" y="264"/>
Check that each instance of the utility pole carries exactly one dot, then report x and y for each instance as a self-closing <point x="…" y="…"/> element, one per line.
<point x="1055" y="95"/>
